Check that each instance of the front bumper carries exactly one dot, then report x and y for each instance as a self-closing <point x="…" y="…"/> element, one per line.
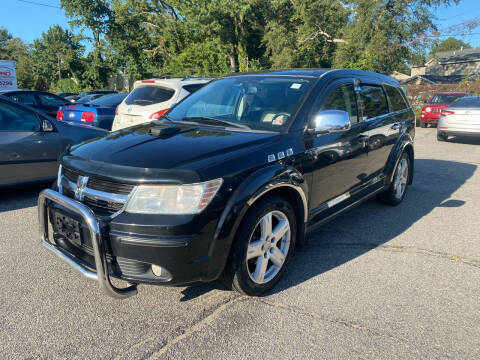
<point x="101" y="267"/>
<point x="130" y="246"/>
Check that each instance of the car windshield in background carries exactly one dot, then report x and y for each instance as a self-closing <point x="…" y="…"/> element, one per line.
<point x="467" y="102"/>
<point x="108" y="100"/>
<point x="446" y="98"/>
<point x="148" y="95"/>
<point x="255" y="102"/>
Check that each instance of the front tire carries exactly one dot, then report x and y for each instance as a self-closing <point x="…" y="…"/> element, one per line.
<point x="423" y="125"/>
<point x="395" y="194"/>
<point x="263" y="247"/>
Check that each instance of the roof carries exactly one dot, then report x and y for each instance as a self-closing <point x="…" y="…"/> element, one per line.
<point x="319" y="72"/>
<point x="436" y="79"/>
<point x="456" y="56"/>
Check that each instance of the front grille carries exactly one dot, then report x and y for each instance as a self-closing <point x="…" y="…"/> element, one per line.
<point x="99" y="206"/>
<point x="99" y="184"/>
<point x="436" y="110"/>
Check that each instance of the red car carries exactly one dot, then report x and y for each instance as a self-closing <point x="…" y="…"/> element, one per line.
<point x="432" y="109"/>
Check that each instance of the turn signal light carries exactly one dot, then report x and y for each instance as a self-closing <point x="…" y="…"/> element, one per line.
<point x="88" y="116"/>
<point x="158" y="114"/>
<point x="60" y="115"/>
<point x="447" y="112"/>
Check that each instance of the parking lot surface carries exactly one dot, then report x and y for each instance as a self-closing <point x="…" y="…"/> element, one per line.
<point x="377" y="282"/>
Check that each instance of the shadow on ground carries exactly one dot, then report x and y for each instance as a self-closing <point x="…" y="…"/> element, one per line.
<point x="21" y="196"/>
<point x="372" y="224"/>
<point x="469" y="140"/>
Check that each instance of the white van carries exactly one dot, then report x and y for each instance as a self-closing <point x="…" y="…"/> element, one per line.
<point x="152" y="98"/>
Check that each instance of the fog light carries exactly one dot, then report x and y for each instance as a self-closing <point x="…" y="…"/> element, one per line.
<point x="157" y="270"/>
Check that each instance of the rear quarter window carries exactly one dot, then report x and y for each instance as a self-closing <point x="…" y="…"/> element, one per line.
<point x="148" y="95"/>
<point x="396" y="98"/>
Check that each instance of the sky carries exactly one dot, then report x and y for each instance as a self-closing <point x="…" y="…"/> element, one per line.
<point x="27" y="19"/>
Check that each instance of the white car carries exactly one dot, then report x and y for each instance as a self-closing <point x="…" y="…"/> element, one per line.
<point x="461" y="118"/>
<point x="152" y="98"/>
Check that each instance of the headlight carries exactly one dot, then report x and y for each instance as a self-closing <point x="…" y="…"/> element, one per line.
<point x="428" y="109"/>
<point x="173" y="199"/>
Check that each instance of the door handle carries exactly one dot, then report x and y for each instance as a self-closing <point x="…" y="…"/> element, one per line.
<point x="396" y="126"/>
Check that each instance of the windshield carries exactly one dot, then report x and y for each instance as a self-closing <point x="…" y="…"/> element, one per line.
<point x="467" y="102"/>
<point x="255" y="102"/>
<point x="109" y="100"/>
<point x="446" y="98"/>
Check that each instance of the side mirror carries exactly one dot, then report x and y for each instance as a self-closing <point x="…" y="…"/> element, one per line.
<point x="47" y="126"/>
<point x="331" y="121"/>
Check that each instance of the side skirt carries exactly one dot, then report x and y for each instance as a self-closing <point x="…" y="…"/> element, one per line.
<point x="317" y="224"/>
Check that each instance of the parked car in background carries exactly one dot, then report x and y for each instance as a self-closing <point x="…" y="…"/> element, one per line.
<point x="230" y="179"/>
<point x="74" y="98"/>
<point x="90" y="97"/>
<point x="65" y="94"/>
<point x="462" y="118"/>
<point x="152" y="98"/>
<point x="432" y="108"/>
<point x="99" y="112"/>
<point x="31" y="142"/>
<point x="41" y="100"/>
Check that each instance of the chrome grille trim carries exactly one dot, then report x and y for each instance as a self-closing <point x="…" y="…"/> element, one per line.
<point x="96" y="194"/>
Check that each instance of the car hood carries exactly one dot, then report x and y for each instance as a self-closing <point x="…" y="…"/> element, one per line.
<point x="168" y="147"/>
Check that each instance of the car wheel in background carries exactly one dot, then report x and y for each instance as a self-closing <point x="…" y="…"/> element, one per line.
<point x="263" y="247"/>
<point x="442" y="136"/>
<point x="397" y="190"/>
<point x="423" y="125"/>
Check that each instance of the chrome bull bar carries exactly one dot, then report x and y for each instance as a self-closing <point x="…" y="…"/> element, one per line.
<point x="101" y="274"/>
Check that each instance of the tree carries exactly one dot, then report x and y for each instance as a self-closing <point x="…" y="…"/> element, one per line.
<point x="449" y="44"/>
<point x="304" y="33"/>
<point x="57" y="55"/>
<point x="380" y="34"/>
<point x="94" y="15"/>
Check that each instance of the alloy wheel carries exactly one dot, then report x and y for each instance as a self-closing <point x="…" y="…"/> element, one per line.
<point x="268" y="247"/>
<point x="401" y="178"/>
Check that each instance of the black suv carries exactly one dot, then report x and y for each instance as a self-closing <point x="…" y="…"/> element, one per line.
<point x="230" y="180"/>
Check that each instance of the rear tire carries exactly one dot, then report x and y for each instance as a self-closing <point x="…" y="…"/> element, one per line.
<point x="397" y="190"/>
<point x="263" y="247"/>
<point x="442" y="136"/>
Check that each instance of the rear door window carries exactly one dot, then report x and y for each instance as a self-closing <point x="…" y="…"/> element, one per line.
<point x="26" y="98"/>
<point x="14" y="118"/>
<point x="396" y="98"/>
<point x="373" y="100"/>
<point x="148" y="95"/>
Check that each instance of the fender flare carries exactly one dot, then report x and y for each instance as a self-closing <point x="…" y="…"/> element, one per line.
<point x="405" y="142"/>
<point x="252" y="188"/>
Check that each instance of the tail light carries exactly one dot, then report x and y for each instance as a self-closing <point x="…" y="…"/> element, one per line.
<point x="60" y="115"/>
<point x="158" y="114"/>
<point x="148" y="81"/>
<point x="116" y="110"/>
<point x="446" y="113"/>
<point x="88" y="116"/>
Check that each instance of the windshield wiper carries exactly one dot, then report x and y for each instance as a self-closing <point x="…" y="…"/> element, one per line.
<point x="213" y="120"/>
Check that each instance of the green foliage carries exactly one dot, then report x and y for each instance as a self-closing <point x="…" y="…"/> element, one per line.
<point x="144" y="38"/>
<point x="66" y="85"/>
<point x="449" y="44"/>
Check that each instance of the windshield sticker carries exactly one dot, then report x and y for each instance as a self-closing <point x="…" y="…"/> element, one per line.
<point x="295" y="86"/>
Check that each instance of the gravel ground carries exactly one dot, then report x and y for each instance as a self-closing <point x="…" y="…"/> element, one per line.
<point x="376" y="282"/>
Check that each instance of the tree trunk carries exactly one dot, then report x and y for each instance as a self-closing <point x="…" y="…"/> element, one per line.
<point x="233" y="56"/>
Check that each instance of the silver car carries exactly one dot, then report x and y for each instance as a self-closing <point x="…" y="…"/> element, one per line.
<point x="461" y="118"/>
